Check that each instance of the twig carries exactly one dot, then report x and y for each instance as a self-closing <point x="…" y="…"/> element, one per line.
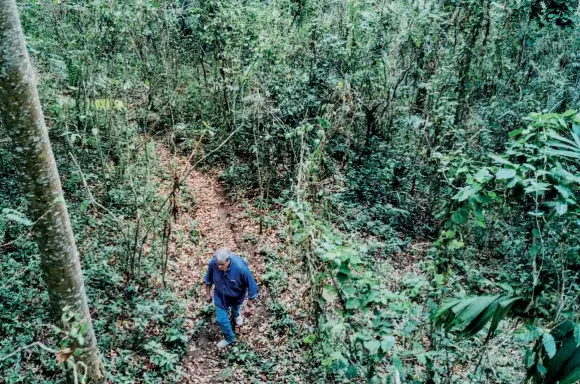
<point x="91" y="197"/>
<point x="17" y="274"/>
<point x="36" y="343"/>
<point x="94" y="201"/>
<point x="27" y="232"/>
<point x="180" y="182"/>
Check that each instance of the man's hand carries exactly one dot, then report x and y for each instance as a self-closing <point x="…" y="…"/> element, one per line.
<point x="208" y="298"/>
<point x="249" y="309"/>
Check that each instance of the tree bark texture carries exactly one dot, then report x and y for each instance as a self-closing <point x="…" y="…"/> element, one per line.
<point x="21" y="113"/>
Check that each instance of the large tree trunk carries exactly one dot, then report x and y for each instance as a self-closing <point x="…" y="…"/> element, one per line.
<point x="21" y="113"/>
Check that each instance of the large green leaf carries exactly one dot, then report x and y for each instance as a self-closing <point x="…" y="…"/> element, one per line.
<point x="559" y="354"/>
<point x="501" y="311"/>
<point x="476" y="308"/>
<point x="576" y="138"/>
<point x="564" y="146"/>
<point x="560" y="138"/>
<point x="444" y="311"/>
<point x="482" y="175"/>
<point x="565" y="351"/>
<point x="496" y="311"/>
<point x="571" y="371"/>
<point x="558" y="153"/>
<point x="474" y="313"/>
<point x="481" y="320"/>
<point x="564" y="191"/>
<point x="561" y="330"/>
<point x="462" y="304"/>
<point x="537" y="187"/>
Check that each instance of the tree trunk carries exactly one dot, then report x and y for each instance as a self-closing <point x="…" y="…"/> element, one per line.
<point x="21" y="113"/>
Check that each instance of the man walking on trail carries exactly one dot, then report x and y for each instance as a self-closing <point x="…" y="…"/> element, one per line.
<point x="232" y="279"/>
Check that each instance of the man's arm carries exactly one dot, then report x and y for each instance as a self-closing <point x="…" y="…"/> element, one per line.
<point x="208" y="293"/>
<point x="252" y="288"/>
<point x="208" y="279"/>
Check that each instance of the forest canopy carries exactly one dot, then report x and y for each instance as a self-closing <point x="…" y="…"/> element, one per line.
<point x="402" y="178"/>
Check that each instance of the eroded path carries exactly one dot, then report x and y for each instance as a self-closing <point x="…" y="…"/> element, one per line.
<point x="206" y="220"/>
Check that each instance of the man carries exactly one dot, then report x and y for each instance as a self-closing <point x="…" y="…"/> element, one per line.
<point x="232" y="279"/>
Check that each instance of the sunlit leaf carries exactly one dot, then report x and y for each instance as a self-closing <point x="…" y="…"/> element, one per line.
<point x="554" y="152"/>
<point x="352" y="303"/>
<point x="466" y="192"/>
<point x="501" y="160"/>
<point x="561" y="207"/>
<point x="482" y="175"/>
<point x="387" y="343"/>
<point x="564" y="191"/>
<point x="16" y="216"/>
<point x="549" y="344"/>
<point x="372" y="346"/>
<point x="505" y="173"/>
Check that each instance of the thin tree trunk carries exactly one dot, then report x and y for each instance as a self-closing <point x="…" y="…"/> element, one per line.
<point x="465" y="67"/>
<point x="21" y="113"/>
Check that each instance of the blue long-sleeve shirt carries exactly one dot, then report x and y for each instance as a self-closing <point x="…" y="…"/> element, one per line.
<point x="232" y="285"/>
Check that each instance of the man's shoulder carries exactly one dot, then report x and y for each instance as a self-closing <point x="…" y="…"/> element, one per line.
<point x="212" y="261"/>
<point x="239" y="262"/>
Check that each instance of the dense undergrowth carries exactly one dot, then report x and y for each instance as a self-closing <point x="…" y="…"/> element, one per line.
<point x="140" y="320"/>
<point x="406" y="152"/>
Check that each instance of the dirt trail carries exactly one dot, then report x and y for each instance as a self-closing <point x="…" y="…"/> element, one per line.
<point x="207" y="220"/>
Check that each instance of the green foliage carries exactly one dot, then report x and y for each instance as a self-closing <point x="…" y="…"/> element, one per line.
<point x="160" y="357"/>
<point x="554" y="356"/>
<point x="240" y="354"/>
<point x="238" y="178"/>
<point x="473" y="314"/>
<point x="394" y="127"/>
<point x="557" y="355"/>
<point x="194" y="235"/>
<point x="353" y="335"/>
<point x="15" y="216"/>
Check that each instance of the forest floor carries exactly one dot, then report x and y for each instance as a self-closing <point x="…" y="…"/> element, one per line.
<point x="206" y="220"/>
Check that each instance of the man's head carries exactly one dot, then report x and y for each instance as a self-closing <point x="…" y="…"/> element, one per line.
<point x="222" y="257"/>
